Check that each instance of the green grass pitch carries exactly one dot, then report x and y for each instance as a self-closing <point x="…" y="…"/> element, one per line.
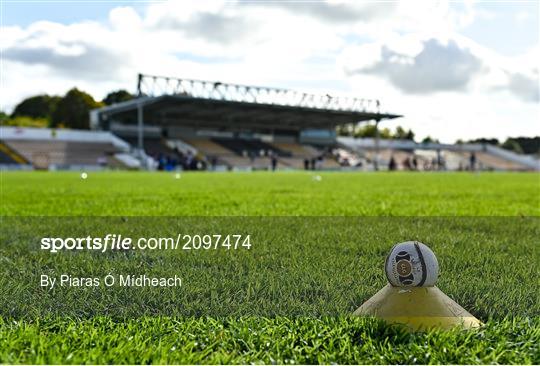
<point x="318" y="250"/>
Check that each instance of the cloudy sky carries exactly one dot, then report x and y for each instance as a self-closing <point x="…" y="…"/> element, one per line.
<point x="453" y="69"/>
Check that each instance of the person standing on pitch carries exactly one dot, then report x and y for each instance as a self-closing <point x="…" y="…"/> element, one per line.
<point x="472" y="161"/>
<point x="273" y="159"/>
<point x="392" y="165"/>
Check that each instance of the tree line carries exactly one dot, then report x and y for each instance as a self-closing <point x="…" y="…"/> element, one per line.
<point x="68" y="111"/>
<point x="365" y="130"/>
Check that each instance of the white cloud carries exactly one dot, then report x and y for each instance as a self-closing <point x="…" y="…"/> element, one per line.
<point x="408" y="54"/>
<point x="433" y="65"/>
<point x="332" y="12"/>
<point x="125" y="18"/>
<point x="438" y="66"/>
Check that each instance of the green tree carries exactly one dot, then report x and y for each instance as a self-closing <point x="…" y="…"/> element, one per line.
<point x="38" y="106"/>
<point x="402" y="134"/>
<point x="484" y="140"/>
<point x="529" y="145"/>
<point x="429" y="139"/>
<point x="72" y="110"/>
<point x="3" y="116"/>
<point x="117" y="97"/>
<point x="512" y="145"/>
<point x="364" y="130"/>
<point x="410" y="135"/>
<point x="369" y="130"/>
<point x="24" y="121"/>
<point x="345" y="130"/>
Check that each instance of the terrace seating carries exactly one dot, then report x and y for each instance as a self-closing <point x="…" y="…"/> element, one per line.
<point x="293" y="162"/>
<point x="242" y="162"/>
<point x="386" y="154"/>
<point x="485" y="160"/>
<point x="330" y="164"/>
<point x="255" y="154"/>
<point x="43" y="153"/>
<point x="249" y="147"/>
<point x="153" y="146"/>
<point x="455" y="161"/>
<point x="208" y="147"/>
<point x="297" y="150"/>
<point x="497" y="163"/>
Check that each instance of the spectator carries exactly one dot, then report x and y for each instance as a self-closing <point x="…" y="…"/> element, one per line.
<point x="407" y="163"/>
<point x="169" y="164"/>
<point x="273" y="159"/>
<point x="472" y="161"/>
<point x="319" y="162"/>
<point x="161" y="162"/>
<point x="442" y="163"/>
<point x="392" y="164"/>
<point x="102" y="161"/>
<point x="189" y="162"/>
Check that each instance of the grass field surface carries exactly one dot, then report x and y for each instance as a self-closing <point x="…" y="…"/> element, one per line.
<point x="264" y="194"/>
<point x="262" y="340"/>
<point x="289" y="298"/>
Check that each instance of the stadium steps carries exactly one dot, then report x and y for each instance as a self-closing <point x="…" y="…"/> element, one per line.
<point x="485" y="160"/>
<point x="10" y="156"/>
<point x="294" y="162"/>
<point x="153" y="146"/>
<point x="235" y="161"/>
<point x="497" y="163"/>
<point x="44" y="153"/>
<point x="255" y="147"/>
<point x="526" y="162"/>
<point x="124" y="160"/>
<point x="297" y="150"/>
<point x="208" y="147"/>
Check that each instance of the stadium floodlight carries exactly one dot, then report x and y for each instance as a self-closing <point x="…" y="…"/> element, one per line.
<point x="411" y="297"/>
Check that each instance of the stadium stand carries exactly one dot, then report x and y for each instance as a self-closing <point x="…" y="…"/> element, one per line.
<point x="452" y="157"/>
<point x="241" y="125"/>
<point x="250" y="147"/>
<point x="70" y="149"/>
<point x="250" y="153"/>
<point x="193" y="124"/>
<point x="61" y="149"/>
<point x="235" y="125"/>
<point x="62" y="153"/>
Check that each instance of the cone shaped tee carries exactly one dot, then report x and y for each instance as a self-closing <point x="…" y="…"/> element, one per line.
<point x="419" y="308"/>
